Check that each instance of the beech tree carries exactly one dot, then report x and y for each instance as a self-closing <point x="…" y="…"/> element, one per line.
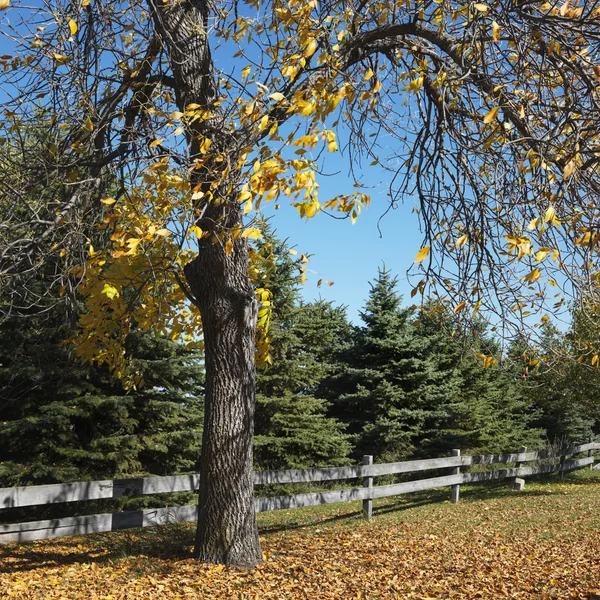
<point x="485" y="112"/>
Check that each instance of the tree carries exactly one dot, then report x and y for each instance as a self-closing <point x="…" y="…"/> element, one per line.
<point x="566" y="392"/>
<point x="292" y="427"/>
<point x="390" y="390"/>
<point x="488" y="111"/>
<point x="64" y="421"/>
<point x="490" y="408"/>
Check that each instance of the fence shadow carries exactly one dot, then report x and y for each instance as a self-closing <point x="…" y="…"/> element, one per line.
<point x="417" y="499"/>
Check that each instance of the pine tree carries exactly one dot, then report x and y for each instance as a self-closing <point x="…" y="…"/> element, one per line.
<point x="292" y="426"/>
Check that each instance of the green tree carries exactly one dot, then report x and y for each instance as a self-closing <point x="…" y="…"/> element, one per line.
<point x="292" y="426"/>
<point x="566" y="391"/>
<point x="64" y="421"/>
<point x="489" y="409"/>
<point x="390" y="391"/>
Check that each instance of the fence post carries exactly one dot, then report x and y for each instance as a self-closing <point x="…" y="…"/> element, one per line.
<point x="517" y="483"/>
<point x="455" y="491"/>
<point x="591" y="453"/>
<point x="367" y="509"/>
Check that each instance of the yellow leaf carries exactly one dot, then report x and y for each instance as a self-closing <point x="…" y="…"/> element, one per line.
<point x="533" y="224"/>
<point x="247" y="206"/>
<point x="310" y="48"/>
<point x="462" y="240"/>
<point x="533" y="276"/>
<point x="483" y="8"/>
<point x="246" y="72"/>
<point x="569" y="169"/>
<point x="155" y="143"/>
<point x="550" y="214"/>
<point x="72" y="27"/>
<point x="88" y="124"/>
<point x="541" y="255"/>
<point x="107" y="200"/>
<point x="163" y="233"/>
<point x="4" y="4"/>
<point x="304" y="259"/>
<point x="459" y="308"/>
<point x="61" y="59"/>
<point x="495" y="31"/>
<point x="595" y="359"/>
<point x="264" y="122"/>
<point x="228" y="247"/>
<point x="277" y="96"/>
<point x="491" y="116"/>
<point x="369" y="74"/>
<point x="110" y="291"/>
<point x="176" y="115"/>
<point x="196" y="231"/>
<point x="253" y="233"/>
<point x="205" y="145"/>
<point x="488" y="361"/>
<point x="422" y="254"/>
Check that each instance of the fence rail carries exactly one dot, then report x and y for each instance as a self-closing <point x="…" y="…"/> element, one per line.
<point x="18" y="497"/>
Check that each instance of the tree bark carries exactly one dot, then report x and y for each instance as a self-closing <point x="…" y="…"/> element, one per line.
<point x="227" y="531"/>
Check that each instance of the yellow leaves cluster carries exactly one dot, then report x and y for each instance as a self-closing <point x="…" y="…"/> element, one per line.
<point x="487" y="360"/>
<point x="132" y="283"/>
<point x="520" y="244"/>
<point x="568" y="9"/>
<point x="351" y="204"/>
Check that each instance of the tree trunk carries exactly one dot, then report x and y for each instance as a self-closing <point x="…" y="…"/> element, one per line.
<point x="227" y="531"/>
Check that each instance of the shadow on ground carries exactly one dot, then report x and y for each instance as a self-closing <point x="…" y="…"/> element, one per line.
<point x="175" y="541"/>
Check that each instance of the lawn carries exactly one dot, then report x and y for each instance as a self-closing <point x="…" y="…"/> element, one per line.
<point x="541" y="543"/>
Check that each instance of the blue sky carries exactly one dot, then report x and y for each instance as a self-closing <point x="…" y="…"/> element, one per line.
<point x="347" y="254"/>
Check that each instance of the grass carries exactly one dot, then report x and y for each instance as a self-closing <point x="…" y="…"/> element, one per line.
<point x="543" y="542"/>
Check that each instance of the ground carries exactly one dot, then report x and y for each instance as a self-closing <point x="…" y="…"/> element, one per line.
<point x="541" y="543"/>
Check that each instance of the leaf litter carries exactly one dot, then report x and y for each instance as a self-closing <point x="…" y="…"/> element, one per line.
<point x="543" y="543"/>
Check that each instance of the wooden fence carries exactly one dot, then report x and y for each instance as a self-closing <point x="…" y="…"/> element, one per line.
<point x="18" y="497"/>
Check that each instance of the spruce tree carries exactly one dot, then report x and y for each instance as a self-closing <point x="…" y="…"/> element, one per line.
<point x="389" y="391"/>
<point x="63" y="421"/>
<point x="566" y="391"/>
<point x="489" y="409"/>
<point x="292" y="427"/>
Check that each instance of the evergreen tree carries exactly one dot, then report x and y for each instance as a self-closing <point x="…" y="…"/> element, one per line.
<point x="292" y="426"/>
<point x="63" y="421"/>
<point x="566" y="392"/>
<point x="489" y="409"/>
<point x="390" y="392"/>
